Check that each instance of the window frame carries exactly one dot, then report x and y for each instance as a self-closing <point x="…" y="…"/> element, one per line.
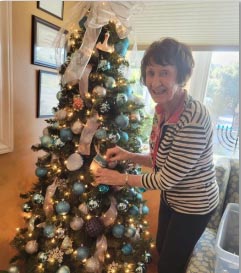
<point x="6" y="78"/>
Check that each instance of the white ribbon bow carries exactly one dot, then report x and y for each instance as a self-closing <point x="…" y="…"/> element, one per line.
<point x="100" y="13"/>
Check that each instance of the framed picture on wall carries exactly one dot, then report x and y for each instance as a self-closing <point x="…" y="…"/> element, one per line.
<point x="48" y="87"/>
<point x="53" y="7"/>
<point x="44" y="50"/>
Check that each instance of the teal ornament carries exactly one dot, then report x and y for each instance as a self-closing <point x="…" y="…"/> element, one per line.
<point x="63" y="269"/>
<point x="145" y="210"/>
<point x="46" y="141"/>
<point x="127" y="90"/>
<point x="123" y="206"/>
<point x="66" y="134"/>
<point x="41" y="172"/>
<point x="134" y="211"/>
<point x="141" y="268"/>
<point x="130" y="232"/>
<point x="127" y="249"/>
<point x="142" y="189"/>
<point x="124" y="137"/>
<point x="62" y="208"/>
<point x="121" y="99"/>
<point x="109" y="82"/>
<point x="82" y="253"/>
<point x="59" y="95"/>
<point x="27" y="207"/>
<point x="78" y="188"/>
<point x="139" y="196"/>
<point x="122" y="46"/>
<point x="114" y="137"/>
<point x="122" y="121"/>
<point x="49" y="231"/>
<point x="38" y="198"/>
<point x="103" y="188"/>
<point x="131" y="194"/>
<point x="100" y="134"/>
<point x="99" y="159"/>
<point x="118" y="231"/>
<point x="13" y="269"/>
<point x="82" y="22"/>
<point x="42" y="257"/>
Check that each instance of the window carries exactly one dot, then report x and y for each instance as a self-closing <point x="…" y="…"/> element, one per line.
<point x="215" y="82"/>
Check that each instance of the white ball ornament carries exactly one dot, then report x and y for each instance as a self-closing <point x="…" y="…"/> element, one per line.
<point x="77" y="223"/>
<point x="13" y="269"/>
<point x="92" y="265"/>
<point x="77" y="127"/>
<point x="31" y="247"/>
<point x="99" y="91"/>
<point x="74" y="162"/>
<point x="63" y="269"/>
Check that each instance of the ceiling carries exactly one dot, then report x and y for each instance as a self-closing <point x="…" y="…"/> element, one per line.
<point x="201" y="24"/>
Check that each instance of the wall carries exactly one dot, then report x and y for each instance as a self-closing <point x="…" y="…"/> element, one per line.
<point x="17" y="168"/>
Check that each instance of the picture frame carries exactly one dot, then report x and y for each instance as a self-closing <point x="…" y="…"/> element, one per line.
<point x="53" y="7"/>
<point x="48" y="87"/>
<point x="44" y="51"/>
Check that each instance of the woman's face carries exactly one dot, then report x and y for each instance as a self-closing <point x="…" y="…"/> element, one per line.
<point x="161" y="82"/>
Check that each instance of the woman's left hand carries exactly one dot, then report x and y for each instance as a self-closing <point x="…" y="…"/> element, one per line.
<point x="109" y="177"/>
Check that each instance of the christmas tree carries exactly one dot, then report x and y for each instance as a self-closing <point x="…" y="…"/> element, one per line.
<point x="72" y="225"/>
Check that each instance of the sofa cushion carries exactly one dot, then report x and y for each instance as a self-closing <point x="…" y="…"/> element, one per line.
<point x="222" y="167"/>
<point x="232" y="195"/>
<point x="203" y="257"/>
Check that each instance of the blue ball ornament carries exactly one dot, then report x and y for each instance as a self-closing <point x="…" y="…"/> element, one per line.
<point x="100" y="134"/>
<point x="145" y="210"/>
<point x="121" y="47"/>
<point x="127" y="90"/>
<point x="41" y="172"/>
<point x="63" y="269"/>
<point x="139" y="196"/>
<point x="121" y="99"/>
<point x="134" y="211"/>
<point x="118" y="231"/>
<point x="62" y="208"/>
<point x="122" y="121"/>
<point x="49" y="231"/>
<point x="66" y="134"/>
<point x="103" y="188"/>
<point x="82" y="253"/>
<point x="127" y="249"/>
<point x="130" y="232"/>
<point x="124" y="137"/>
<point x="46" y="141"/>
<point x="78" y="188"/>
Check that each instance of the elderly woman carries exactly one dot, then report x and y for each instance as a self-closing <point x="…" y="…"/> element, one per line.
<point x="181" y="155"/>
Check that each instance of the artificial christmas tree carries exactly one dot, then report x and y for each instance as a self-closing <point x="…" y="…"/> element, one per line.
<point x="72" y="225"/>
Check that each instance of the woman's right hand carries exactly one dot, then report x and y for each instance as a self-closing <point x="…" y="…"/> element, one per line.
<point x="117" y="153"/>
